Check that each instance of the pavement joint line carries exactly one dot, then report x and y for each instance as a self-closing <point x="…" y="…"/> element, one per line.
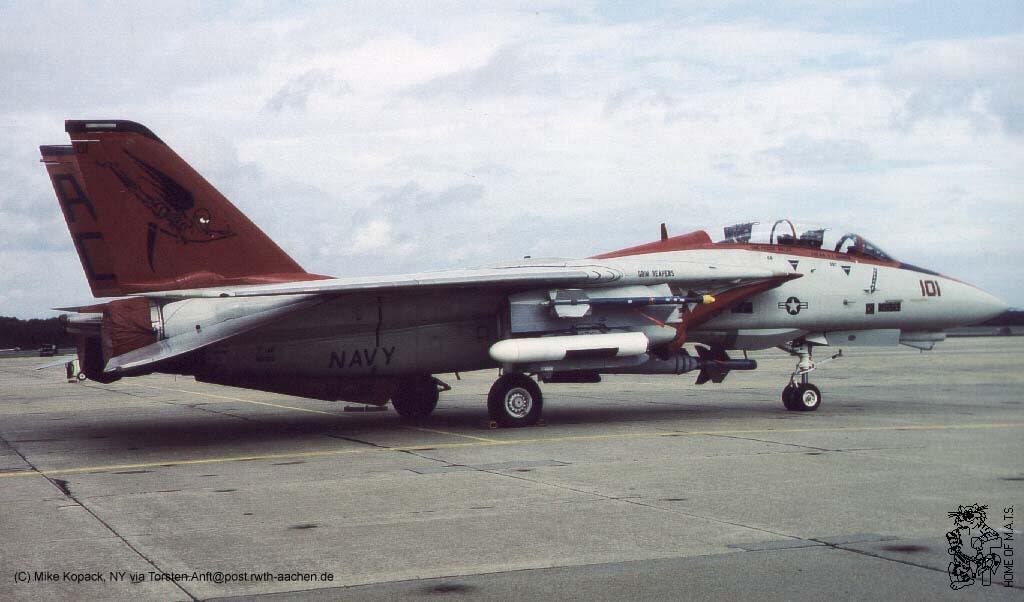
<point x="821" y="449"/>
<point x="611" y="498"/>
<point x="494" y="442"/>
<point x="845" y="548"/>
<point x="63" y="487"/>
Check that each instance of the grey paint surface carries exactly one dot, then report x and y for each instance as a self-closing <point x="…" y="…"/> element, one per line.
<point x="645" y="488"/>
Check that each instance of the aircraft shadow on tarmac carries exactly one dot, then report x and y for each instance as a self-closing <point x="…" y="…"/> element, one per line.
<point x="229" y="426"/>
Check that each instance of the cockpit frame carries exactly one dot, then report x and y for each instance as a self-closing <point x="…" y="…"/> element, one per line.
<point x="786" y="234"/>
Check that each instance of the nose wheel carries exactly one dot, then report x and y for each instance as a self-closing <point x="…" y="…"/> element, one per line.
<point x="800" y="395"/>
<point x="803" y="397"/>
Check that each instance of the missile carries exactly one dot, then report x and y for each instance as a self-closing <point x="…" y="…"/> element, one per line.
<point x="637" y="301"/>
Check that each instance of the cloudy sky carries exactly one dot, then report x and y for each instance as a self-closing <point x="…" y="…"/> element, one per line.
<point x="385" y="137"/>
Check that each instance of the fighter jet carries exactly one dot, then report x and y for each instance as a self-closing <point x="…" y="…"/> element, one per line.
<point x="200" y="290"/>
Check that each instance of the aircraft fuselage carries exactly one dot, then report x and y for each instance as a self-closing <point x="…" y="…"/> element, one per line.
<point x="437" y="332"/>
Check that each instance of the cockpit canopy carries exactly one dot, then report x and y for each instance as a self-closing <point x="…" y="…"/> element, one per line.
<point x="784" y="232"/>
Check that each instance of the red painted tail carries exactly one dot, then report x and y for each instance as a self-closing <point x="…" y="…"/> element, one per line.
<point x="143" y="220"/>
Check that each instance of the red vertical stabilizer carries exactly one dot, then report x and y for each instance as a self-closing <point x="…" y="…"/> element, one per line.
<point x="143" y="220"/>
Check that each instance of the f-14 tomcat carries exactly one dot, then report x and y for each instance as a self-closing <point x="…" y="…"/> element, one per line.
<point x="202" y="291"/>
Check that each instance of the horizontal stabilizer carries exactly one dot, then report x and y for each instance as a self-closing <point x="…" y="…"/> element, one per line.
<point x="81" y="309"/>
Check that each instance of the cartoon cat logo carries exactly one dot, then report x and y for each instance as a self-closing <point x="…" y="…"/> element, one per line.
<point x="969" y="528"/>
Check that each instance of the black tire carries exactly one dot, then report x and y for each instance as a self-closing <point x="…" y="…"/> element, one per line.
<point x="415" y="397"/>
<point x="515" y="400"/>
<point x="807" y="398"/>
<point x="789" y="398"/>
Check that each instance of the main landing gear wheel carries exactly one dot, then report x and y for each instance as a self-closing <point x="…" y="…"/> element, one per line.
<point x="803" y="397"/>
<point x="415" y="397"/>
<point x="515" y="400"/>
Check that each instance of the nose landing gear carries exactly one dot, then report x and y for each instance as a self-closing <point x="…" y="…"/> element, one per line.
<point x="800" y="395"/>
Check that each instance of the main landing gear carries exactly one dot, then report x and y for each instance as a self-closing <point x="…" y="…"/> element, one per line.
<point x="515" y="400"/>
<point x="416" y="397"/>
<point x="800" y="395"/>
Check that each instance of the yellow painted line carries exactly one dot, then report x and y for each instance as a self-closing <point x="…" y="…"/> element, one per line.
<point x="426" y="430"/>
<point x="892" y="427"/>
<point x="643" y="435"/>
<point x="493" y="442"/>
<point x="223" y="459"/>
<point x="650" y="435"/>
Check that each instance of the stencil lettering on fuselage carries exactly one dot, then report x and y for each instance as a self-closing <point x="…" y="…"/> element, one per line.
<point x="655" y="273"/>
<point x="930" y="288"/>
<point x="361" y="359"/>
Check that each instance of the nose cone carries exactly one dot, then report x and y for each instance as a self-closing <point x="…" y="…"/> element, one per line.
<point x="980" y="306"/>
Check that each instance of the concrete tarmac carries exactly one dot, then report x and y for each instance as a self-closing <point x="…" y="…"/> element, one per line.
<point x="638" y="488"/>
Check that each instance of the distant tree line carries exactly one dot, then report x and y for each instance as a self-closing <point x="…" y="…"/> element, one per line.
<point x="32" y="334"/>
